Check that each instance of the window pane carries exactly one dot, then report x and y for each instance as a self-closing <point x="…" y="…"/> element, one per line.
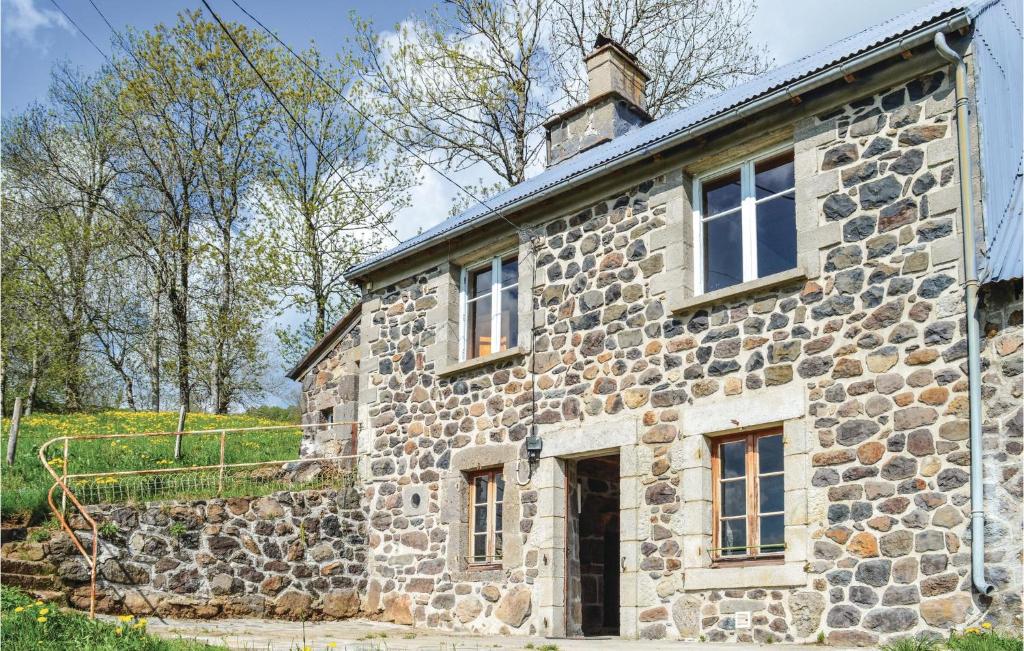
<point x="771" y="494"/>
<point x="497" y="545"/>
<point x="480" y="327"/>
<point x="509" y="272"/>
<point x="480" y="547"/>
<point x="773" y="175"/>
<point x="776" y="235"/>
<point x="772" y="534"/>
<point x="734" y="498"/>
<point x="499" y="497"/>
<point x="723" y="252"/>
<point x="480" y="282"/>
<point x="769" y="452"/>
<point x="733" y="459"/>
<point x="734" y="534"/>
<point x="480" y="490"/>
<point x="721" y="194"/>
<point x="509" y="318"/>
<point x="499" y="493"/>
<point x="480" y="518"/>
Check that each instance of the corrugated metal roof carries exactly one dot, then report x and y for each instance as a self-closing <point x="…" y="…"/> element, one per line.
<point x="997" y="33"/>
<point x="677" y="123"/>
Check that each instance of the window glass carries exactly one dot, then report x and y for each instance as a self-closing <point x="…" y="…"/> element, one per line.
<point x="733" y="459"/>
<point x="776" y="235"/>
<point x="734" y="498"/>
<point x="734" y="537"/>
<point x="723" y="252"/>
<point x="772" y="534"/>
<point x="722" y="194"/>
<point x="509" y="272"/>
<point x="769" y="452"/>
<point x="509" y="317"/>
<point x="480" y="321"/>
<point x="771" y="493"/>
<point x="481" y="282"/>
<point x="773" y="175"/>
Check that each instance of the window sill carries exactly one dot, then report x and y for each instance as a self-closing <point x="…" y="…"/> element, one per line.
<point x="760" y="575"/>
<point x="478" y="362"/>
<point x="678" y="304"/>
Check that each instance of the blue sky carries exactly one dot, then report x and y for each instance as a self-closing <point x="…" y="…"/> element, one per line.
<point x="36" y="36"/>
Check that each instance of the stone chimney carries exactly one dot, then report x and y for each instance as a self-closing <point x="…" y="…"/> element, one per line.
<point x="616" y="104"/>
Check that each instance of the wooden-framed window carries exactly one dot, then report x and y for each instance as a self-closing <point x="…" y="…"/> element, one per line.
<point x="486" y="492"/>
<point x="748" y="501"/>
<point x="745" y="221"/>
<point x="490" y="307"/>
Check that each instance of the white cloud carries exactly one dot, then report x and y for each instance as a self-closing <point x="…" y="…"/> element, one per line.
<point x="24" y="21"/>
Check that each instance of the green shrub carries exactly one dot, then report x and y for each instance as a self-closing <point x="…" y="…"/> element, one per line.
<point x="29" y="624"/>
<point x="983" y="639"/>
<point x="912" y="644"/>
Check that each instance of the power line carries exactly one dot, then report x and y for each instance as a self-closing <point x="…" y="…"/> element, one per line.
<point x="368" y="119"/>
<point x="280" y="102"/>
<point x="379" y="220"/>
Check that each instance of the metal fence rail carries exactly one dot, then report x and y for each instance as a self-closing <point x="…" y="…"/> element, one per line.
<point x="199" y="481"/>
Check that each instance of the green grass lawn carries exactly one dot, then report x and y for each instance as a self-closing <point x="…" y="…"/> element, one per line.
<point x="29" y="624"/>
<point x="24" y="485"/>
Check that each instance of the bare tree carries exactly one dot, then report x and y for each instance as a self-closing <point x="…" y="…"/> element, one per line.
<point x="690" y="48"/>
<point x="467" y="84"/>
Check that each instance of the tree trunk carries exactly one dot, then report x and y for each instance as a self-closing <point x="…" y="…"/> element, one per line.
<point x="129" y="392"/>
<point x="178" y="297"/>
<point x="33" y="383"/>
<point x="222" y="331"/>
<point x="154" y="349"/>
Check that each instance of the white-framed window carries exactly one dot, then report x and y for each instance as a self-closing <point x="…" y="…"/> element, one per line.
<point x="490" y="307"/>
<point x="744" y="221"/>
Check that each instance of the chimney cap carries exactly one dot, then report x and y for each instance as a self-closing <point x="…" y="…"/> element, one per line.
<point x="604" y="42"/>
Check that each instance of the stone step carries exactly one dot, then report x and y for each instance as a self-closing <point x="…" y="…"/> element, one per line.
<point x="12" y="534"/>
<point x="19" y="566"/>
<point x="26" y="551"/>
<point x="52" y="596"/>
<point x="31" y="582"/>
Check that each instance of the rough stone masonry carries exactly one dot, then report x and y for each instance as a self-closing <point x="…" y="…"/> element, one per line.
<point x="860" y="357"/>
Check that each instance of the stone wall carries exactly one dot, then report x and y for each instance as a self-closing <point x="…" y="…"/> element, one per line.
<point x="861" y="361"/>
<point x="292" y="555"/>
<point x="332" y="386"/>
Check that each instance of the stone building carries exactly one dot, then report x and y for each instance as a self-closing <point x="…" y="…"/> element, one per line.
<point x="707" y="376"/>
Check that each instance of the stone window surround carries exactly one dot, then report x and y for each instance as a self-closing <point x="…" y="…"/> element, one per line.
<point x="679" y="240"/>
<point x="447" y="316"/>
<point x="495" y="262"/>
<point x="747" y="211"/>
<point x="785" y="406"/>
<point x="455" y="510"/>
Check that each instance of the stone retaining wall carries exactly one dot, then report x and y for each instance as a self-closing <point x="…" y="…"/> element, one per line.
<point x="292" y="555"/>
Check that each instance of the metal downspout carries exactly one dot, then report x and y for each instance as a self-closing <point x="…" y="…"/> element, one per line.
<point x="971" y="299"/>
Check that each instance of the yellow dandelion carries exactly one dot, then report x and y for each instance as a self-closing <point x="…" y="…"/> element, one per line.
<point x="119" y="630"/>
<point x="973" y="630"/>
<point x="125" y="618"/>
<point x="987" y="625"/>
<point x="41" y="620"/>
<point x="142" y="621"/>
<point x="44" y="611"/>
<point x="39" y="603"/>
<point x="19" y="609"/>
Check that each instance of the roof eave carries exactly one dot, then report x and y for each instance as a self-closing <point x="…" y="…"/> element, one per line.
<point x="322" y="347"/>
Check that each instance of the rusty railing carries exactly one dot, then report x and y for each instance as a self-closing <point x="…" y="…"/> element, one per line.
<point x="344" y="469"/>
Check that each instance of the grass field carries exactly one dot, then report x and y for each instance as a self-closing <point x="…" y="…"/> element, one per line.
<point x="25" y="484"/>
<point x="29" y="624"/>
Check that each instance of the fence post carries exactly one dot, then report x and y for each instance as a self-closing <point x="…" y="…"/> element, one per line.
<point x="12" y="438"/>
<point x="177" y="438"/>
<point x="220" y="479"/>
<point x="64" y="478"/>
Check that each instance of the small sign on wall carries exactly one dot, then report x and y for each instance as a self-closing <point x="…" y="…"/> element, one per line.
<point x="742" y="620"/>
